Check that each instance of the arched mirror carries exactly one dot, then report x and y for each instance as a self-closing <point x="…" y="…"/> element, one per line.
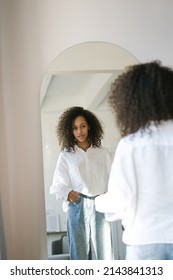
<point x="80" y="76"/>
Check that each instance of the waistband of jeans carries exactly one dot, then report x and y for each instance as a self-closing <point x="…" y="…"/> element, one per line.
<point x="88" y="197"/>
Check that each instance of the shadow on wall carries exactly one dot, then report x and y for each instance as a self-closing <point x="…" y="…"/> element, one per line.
<point x="3" y="255"/>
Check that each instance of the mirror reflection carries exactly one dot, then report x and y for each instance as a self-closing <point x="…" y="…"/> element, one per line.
<point x="81" y="76"/>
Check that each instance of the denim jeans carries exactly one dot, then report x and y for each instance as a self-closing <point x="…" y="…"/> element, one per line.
<point x="86" y="227"/>
<point x="157" y="251"/>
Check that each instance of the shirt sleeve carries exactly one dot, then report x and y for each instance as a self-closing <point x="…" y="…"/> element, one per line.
<point x="115" y="201"/>
<point x="61" y="180"/>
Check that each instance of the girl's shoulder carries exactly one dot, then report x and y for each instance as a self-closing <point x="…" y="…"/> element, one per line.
<point x="66" y="154"/>
<point x="102" y="150"/>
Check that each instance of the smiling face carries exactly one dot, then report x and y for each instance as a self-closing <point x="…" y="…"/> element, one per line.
<point x="80" y="130"/>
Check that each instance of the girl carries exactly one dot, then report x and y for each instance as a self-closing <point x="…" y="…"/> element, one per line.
<point x="80" y="176"/>
<point x="140" y="190"/>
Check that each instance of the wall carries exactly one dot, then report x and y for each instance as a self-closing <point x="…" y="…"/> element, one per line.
<point x="32" y="34"/>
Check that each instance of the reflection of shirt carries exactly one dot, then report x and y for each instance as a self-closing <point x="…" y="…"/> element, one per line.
<point x="84" y="172"/>
<point x="140" y="189"/>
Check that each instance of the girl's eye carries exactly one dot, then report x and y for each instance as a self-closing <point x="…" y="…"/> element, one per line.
<point x="76" y="128"/>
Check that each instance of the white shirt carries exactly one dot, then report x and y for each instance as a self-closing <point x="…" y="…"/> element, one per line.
<point x="140" y="189"/>
<point x="84" y="172"/>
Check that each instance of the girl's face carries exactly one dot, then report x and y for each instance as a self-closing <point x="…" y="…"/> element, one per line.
<point x="80" y="129"/>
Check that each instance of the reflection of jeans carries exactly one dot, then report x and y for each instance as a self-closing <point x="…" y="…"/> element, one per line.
<point x="150" y="252"/>
<point x="86" y="226"/>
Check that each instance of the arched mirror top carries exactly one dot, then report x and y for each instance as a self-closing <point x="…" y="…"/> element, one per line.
<point x="88" y="57"/>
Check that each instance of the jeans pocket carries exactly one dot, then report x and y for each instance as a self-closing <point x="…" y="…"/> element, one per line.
<point x="73" y="203"/>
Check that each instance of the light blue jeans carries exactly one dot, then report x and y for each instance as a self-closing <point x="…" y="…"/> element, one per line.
<point x="150" y="252"/>
<point x="88" y="228"/>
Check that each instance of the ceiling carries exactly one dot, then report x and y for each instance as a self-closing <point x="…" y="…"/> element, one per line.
<point x="87" y="89"/>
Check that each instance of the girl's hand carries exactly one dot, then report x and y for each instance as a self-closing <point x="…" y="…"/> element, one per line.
<point x="73" y="196"/>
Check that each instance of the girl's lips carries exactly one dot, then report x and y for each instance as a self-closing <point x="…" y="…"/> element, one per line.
<point x="81" y="137"/>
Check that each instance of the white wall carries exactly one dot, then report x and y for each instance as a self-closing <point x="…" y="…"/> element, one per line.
<point x="55" y="216"/>
<point x="33" y="33"/>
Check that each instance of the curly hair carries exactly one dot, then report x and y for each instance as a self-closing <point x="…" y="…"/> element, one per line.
<point x="64" y="129"/>
<point x="141" y="94"/>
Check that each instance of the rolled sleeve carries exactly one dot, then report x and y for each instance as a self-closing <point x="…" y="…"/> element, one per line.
<point x="61" y="181"/>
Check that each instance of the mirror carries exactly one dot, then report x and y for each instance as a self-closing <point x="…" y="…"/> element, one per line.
<point x="80" y="76"/>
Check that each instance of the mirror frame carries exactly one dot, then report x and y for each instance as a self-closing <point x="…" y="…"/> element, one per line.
<point x="87" y="57"/>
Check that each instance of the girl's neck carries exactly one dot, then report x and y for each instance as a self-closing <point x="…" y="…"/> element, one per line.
<point x="84" y="146"/>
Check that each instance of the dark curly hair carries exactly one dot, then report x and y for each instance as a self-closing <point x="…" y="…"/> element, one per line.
<point x="142" y="93"/>
<point x="65" y="132"/>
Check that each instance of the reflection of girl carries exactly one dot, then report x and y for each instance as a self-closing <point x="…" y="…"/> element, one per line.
<point x="81" y="174"/>
<point x="140" y="189"/>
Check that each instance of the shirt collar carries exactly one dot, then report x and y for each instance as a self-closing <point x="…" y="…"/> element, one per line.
<point x="80" y="149"/>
